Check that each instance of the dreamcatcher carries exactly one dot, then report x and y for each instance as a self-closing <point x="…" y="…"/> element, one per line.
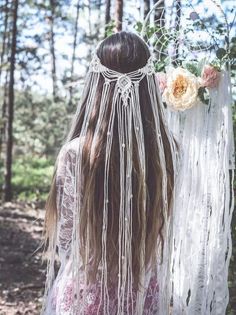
<point x="193" y="70"/>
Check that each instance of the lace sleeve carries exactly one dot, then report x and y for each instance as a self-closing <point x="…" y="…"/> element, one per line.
<point x="65" y="187"/>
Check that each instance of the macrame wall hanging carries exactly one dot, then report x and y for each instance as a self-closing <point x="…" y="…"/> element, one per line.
<point x="193" y="71"/>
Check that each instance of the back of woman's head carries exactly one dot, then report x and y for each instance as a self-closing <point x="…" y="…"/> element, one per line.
<point x="122" y="52"/>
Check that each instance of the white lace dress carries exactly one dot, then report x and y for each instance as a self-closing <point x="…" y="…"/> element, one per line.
<point x="60" y="298"/>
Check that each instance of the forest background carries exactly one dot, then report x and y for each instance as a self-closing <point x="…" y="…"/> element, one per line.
<point x="45" y="48"/>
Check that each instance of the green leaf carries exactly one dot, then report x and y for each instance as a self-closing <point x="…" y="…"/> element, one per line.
<point x="191" y="67"/>
<point x="138" y="26"/>
<point x="203" y="95"/>
<point x="110" y="28"/>
<point x="220" y="53"/>
<point x="159" y="66"/>
<point x="216" y="65"/>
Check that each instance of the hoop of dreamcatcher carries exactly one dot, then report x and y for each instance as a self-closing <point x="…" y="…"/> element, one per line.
<point x="169" y="30"/>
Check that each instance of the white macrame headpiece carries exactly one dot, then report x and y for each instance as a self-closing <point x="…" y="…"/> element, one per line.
<point x="125" y="81"/>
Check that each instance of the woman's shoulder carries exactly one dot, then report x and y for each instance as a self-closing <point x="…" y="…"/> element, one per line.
<point x="69" y="150"/>
<point x="73" y="145"/>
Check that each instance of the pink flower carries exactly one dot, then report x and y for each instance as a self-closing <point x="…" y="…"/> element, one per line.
<point x="162" y="81"/>
<point x="210" y="77"/>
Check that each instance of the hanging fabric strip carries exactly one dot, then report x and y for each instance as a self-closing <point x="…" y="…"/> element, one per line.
<point x="204" y="203"/>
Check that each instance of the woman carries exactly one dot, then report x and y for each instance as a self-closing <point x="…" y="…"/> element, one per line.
<point x="109" y="204"/>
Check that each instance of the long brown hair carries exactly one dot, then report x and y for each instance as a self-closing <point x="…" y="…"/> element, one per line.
<point x="123" y="52"/>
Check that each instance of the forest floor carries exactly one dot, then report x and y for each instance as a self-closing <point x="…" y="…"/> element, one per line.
<point x="22" y="273"/>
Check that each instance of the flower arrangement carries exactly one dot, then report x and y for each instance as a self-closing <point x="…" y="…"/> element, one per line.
<point x="186" y="86"/>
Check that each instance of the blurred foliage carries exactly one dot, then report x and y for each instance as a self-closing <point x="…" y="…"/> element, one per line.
<point x="40" y="124"/>
<point x="110" y="28"/>
<point x="31" y="177"/>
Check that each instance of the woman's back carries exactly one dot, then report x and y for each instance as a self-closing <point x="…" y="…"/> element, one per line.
<point x="112" y="189"/>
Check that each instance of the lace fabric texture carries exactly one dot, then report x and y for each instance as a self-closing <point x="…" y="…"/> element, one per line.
<point x="65" y="183"/>
<point x="60" y="298"/>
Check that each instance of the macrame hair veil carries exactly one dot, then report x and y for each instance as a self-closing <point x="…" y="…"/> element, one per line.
<point x="126" y="105"/>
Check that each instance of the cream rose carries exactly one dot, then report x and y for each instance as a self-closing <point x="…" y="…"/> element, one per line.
<point x="182" y="89"/>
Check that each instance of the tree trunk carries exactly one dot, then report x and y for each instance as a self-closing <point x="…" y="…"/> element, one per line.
<point x="98" y="29"/>
<point x="4" y="37"/>
<point x="107" y="15"/>
<point x="4" y="108"/>
<point x="9" y="134"/>
<point x="146" y="8"/>
<point x="98" y="8"/>
<point x="119" y="15"/>
<point x="52" y="50"/>
<point x="73" y="54"/>
<point x="5" y="49"/>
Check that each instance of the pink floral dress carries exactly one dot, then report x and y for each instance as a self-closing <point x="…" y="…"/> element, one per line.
<point x="60" y="298"/>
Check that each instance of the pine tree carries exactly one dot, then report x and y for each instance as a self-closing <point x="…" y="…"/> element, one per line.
<point x="10" y="108"/>
<point x="52" y="49"/>
<point x="4" y="63"/>
<point x="107" y="15"/>
<point x="146" y="4"/>
<point x="119" y="15"/>
<point x="73" y="54"/>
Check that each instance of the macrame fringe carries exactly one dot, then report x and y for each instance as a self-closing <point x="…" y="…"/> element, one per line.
<point x="127" y="108"/>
